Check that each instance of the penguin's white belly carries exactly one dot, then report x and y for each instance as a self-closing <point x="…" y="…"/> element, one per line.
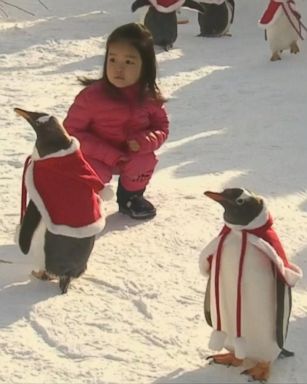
<point x="37" y="252"/>
<point x="258" y="299"/>
<point x="281" y="34"/>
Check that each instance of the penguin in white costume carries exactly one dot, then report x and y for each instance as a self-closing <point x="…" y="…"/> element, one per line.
<point x="248" y="297"/>
<point x="283" y="27"/>
<point x="64" y="212"/>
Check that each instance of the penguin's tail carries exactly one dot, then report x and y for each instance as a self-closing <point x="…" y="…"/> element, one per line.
<point x="64" y="283"/>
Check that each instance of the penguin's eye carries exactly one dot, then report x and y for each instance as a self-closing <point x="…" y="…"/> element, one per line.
<point x="240" y="201"/>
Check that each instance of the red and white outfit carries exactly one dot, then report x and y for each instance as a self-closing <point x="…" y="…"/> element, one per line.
<point x="166" y="6"/>
<point x="243" y="263"/>
<point x="283" y="12"/>
<point x="103" y="125"/>
<point x="66" y="191"/>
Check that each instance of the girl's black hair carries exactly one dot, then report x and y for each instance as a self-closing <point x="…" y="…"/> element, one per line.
<point x="141" y="39"/>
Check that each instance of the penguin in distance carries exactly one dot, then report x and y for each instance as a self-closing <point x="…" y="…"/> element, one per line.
<point x="217" y="17"/>
<point x="64" y="212"/>
<point x="283" y="27"/>
<point x="161" y="18"/>
<point x="248" y="295"/>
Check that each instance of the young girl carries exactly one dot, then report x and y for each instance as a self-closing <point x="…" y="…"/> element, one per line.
<point x="120" y="119"/>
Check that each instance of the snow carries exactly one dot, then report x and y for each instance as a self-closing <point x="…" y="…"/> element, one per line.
<point x="237" y="119"/>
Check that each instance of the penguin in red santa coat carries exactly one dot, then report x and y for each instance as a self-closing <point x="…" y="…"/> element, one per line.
<point x="161" y="18"/>
<point x="248" y="296"/>
<point x="64" y="212"/>
<point x="283" y="27"/>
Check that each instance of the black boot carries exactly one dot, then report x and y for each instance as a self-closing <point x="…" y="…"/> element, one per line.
<point x="133" y="204"/>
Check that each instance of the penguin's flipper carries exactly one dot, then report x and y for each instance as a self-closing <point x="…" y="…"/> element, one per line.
<point x="29" y="224"/>
<point x="232" y="4"/>
<point x="207" y="304"/>
<point x="193" y="5"/>
<point x="283" y="310"/>
<point x="285" y="353"/>
<point x="138" y="4"/>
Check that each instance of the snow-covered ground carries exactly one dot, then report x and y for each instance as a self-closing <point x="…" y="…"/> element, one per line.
<point x="237" y="119"/>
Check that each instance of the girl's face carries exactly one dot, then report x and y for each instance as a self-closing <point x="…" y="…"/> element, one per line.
<point x="124" y="64"/>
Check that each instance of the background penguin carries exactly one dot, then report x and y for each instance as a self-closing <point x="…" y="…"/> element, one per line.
<point x="283" y="27"/>
<point x="64" y="208"/>
<point x="217" y="17"/>
<point x="161" y="18"/>
<point x="248" y="297"/>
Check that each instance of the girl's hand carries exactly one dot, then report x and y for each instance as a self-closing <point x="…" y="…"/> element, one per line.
<point x="122" y="159"/>
<point x="133" y="145"/>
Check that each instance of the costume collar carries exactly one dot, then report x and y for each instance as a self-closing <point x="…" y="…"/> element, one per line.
<point x="75" y="146"/>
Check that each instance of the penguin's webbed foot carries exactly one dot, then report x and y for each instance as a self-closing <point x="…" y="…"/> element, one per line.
<point x="167" y="47"/>
<point x="275" y="56"/>
<point x="260" y="372"/>
<point x="225" y="359"/>
<point x="42" y="275"/>
<point x="294" y="48"/>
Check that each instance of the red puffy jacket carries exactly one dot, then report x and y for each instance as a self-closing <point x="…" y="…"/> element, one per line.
<point x="103" y="125"/>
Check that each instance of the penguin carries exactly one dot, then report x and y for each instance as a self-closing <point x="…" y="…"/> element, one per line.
<point x="283" y="27"/>
<point x="217" y="17"/>
<point x="161" y="18"/>
<point x="64" y="212"/>
<point x="248" y="296"/>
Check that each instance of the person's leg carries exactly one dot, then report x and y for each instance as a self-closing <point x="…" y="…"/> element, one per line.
<point x="134" y="177"/>
<point x="102" y="170"/>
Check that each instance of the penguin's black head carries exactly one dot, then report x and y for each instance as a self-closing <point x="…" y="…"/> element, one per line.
<point x="241" y="206"/>
<point x="51" y="136"/>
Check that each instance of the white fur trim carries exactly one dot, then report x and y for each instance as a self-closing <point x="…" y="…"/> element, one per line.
<point x="75" y="145"/>
<point x="217" y="340"/>
<point x="169" y="9"/>
<point x="106" y="193"/>
<point x="291" y="274"/>
<point x="209" y="250"/>
<point x="240" y="347"/>
<point x="86" y="231"/>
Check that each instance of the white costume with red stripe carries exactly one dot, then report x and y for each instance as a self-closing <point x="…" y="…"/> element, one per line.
<point x="283" y="24"/>
<point x="243" y="264"/>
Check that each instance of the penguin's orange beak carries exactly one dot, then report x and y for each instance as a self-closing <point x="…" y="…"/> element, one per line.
<point x="219" y="197"/>
<point x="215" y="196"/>
<point x="23" y="113"/>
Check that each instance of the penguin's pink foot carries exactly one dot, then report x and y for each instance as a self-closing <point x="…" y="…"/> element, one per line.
<point x="226" y="359"/>
<point x="182" y="21"/>
<point x="261" y="371"/>
<point x="275" y="56"/>
<point x="294" y="47"/>
<point x="42" y="275"/>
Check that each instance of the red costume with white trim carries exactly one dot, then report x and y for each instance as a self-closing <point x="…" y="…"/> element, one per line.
<point x="65" y="190"/>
